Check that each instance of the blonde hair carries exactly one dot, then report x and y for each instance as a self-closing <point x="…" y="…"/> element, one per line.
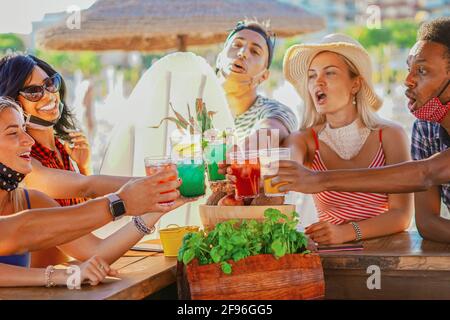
<point x="368" y="117"/>
<point x="17" y="196"/>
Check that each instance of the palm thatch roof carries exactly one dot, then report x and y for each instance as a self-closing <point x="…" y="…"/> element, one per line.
<point x="157" y="25"/>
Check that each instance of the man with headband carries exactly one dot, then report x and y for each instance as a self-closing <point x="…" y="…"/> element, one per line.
<point x="429" y="101"/>
<point x="242" y="66"/>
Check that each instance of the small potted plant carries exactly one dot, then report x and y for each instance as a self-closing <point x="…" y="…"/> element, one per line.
<point x="248" y="259"/>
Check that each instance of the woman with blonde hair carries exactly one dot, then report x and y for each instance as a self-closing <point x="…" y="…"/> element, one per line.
<point x="341" y="130"/>
<point x="30" y="220"/>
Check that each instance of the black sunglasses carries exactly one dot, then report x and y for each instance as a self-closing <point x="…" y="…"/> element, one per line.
<point x="35" y="93"/>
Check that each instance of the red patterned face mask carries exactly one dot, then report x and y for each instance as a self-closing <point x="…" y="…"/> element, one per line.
<point x="433" y="110"/>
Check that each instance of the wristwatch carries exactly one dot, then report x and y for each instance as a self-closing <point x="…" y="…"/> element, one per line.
<point x="116" y="206"/>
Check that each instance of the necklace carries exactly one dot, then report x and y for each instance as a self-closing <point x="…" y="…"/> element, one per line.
<point x="345" y="141"/>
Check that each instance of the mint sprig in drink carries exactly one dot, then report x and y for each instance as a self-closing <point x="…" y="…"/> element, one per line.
<point x="214" y="153"/>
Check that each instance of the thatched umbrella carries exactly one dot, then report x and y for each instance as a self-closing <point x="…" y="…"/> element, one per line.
<point x="157" y="25"/>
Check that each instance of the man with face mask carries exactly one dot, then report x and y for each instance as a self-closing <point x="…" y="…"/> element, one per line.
<point x="242" y="66"/>
<point x="428" y="92"/>
<point x="429" y="100"/>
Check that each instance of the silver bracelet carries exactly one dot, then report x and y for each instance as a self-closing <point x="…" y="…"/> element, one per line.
<point x="140" y="224"/>
<point x="48" y="277"/>
<point x="357" y="231"/>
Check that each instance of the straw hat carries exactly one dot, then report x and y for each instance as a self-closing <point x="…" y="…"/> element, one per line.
<point x="298" y="59"/>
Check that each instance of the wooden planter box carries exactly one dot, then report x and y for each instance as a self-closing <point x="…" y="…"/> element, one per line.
<point x="260" y="277"/>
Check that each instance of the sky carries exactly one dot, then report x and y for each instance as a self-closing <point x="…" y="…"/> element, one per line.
<point x="16" y="16"/>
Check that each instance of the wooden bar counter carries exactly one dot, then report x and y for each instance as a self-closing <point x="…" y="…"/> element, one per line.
<point x="410" y="268"/>
<point x="139" y="278"/>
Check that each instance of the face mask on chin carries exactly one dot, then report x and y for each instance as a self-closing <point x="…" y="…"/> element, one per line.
<point x="239" y="83"/>
<point x="37" y="123"/>
<point x="433" y="110"/>
<point x="9" y="179"/>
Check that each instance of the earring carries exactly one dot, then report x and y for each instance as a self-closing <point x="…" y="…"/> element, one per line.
<point x="354" y="100"/>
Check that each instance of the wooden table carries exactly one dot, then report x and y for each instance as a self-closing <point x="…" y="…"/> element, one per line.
<point x="139" y="278"/>
<point x="410" y="268"/>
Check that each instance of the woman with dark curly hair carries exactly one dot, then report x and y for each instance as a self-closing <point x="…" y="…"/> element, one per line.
<point x="41" y="91"/>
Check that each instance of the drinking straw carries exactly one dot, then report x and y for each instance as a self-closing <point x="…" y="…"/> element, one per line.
<point x="168" y="88"/>
<point x="253" y="185"/>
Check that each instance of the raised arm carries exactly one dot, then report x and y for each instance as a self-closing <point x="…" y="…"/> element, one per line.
<point x="438" y="168"/>
<point x="113" y="247"/>
<point x="37" y="229"/>
<point x="402" y="178"/>
<point x="63" y="184"/>
<point x="406" y="177"/>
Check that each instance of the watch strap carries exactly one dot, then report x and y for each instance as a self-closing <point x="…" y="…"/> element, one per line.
<point x="114" y="198"/>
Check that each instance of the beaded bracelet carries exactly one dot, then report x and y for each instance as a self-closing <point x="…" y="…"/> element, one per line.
<point x="140" y="224"/>
<point x="48" y="276"/>
<point x="357" y="231"/>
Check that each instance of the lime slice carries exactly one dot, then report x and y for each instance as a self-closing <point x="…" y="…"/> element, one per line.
<point x="186" y="149"/>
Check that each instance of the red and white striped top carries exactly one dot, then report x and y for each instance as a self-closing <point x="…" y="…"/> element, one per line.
<point x="343" y="207"/>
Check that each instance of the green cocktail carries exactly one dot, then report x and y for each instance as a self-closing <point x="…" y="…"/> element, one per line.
<point x="192" y="174"/>
<point x="215" y="153"/>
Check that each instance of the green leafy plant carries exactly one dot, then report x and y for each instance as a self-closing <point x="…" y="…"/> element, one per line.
<point x="198" y="123"/>
<point x="236" y="240"/>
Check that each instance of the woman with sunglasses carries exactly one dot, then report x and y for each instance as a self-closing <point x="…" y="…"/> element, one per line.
<point x="42" y="97"/>
<point x="40" y="91"/>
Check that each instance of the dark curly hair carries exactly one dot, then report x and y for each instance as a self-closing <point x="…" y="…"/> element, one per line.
<point x="437" y="30"/>
<point x="15" y="70"/>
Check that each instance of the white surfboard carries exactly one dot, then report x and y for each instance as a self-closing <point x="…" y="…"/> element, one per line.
<point x="132" y="139"/>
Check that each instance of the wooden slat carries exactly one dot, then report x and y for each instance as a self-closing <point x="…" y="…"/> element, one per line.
<point x="145" y="277"/>
<point x="125" y="261"/>
<point x="139" y="277"/>
<point x="410" y="268"/>
<point x="400" y="251"/>
<point x="351" y="284"/>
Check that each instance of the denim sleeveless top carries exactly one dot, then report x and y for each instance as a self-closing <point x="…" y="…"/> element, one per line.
<point x="20" y="260"/>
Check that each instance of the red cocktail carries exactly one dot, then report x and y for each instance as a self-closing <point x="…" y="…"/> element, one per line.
<point x="245" y="167"/>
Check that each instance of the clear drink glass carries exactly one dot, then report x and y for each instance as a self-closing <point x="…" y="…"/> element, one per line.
<point x="191" y="170"/>
<point x="245" y="167"/>
<point x="215" y="153"/>
<point x="154" y="165"/>
<point x="269" y="159"/>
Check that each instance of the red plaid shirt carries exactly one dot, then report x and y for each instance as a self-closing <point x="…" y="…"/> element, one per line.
<point x="49" y="158"/>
